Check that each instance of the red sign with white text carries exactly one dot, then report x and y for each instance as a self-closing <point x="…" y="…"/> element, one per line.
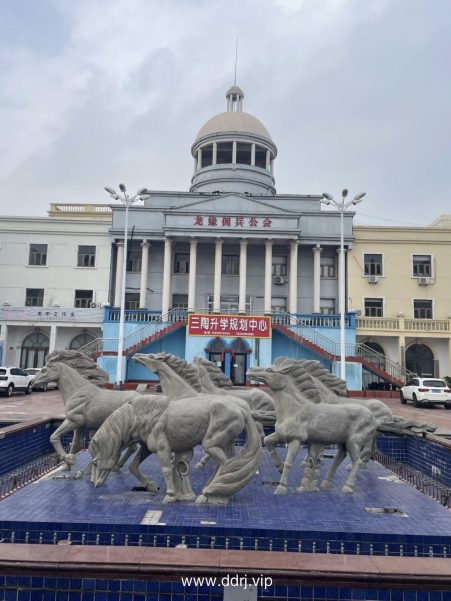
<point x="237" y="326"/>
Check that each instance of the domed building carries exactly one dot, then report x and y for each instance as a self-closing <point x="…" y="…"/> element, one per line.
<point x="240" y="273"/>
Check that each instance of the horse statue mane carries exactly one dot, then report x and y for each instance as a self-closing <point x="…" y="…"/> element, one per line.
<point x="186" y="370"/>
<point x="311" y="378"/>
<point x="216" y="375"/>
<point x="86" y="366"/>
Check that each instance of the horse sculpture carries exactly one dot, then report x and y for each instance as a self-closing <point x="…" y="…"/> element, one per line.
<point x="86" y="406"/>
<point x="299" y="421"/>
<point x="180" y="379"/>
<point x="213" y="379"/>
<point x="175" y="427"/>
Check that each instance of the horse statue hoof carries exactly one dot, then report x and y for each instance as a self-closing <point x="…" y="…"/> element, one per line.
<point x="199" y="465"/>
<point x="201" y="499"/>
<point x="152" y="487"/>
<point x="326" y="485"/>
<point x="169" y="499"/>
<point x="281" y="490"/>
<point x="347" y="489"/>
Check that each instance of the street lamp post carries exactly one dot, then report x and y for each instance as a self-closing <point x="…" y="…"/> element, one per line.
<point x="341" y="206"/>
<point x="127" y="201"/>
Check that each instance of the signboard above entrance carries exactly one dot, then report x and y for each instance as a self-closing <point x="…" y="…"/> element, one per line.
<point x="236" y="326"/>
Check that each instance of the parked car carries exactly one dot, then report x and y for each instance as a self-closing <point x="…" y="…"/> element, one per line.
<point x="426" y="391"/>
<point x="34" y="371"/>
<point x="15" y="379"/>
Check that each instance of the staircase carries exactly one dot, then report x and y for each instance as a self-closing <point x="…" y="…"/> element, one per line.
<point x="160" y="326"/>
<point x="371" y="360"/>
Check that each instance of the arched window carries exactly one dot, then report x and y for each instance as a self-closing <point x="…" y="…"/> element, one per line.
<point x="34" y="349"/>
<point x="420" y="360"/>
<point x="81" y="340"/>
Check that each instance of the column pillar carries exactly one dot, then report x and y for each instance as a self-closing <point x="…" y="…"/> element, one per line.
<point x="217" y="276"/>
<point x="215" y="153"/>
<point x="167" y="272"/>
<point x="234" y="152"/>
<point x="317" y="279"/>
<point x="192" y="276"/>
<point x="119" y="268"/>
<point x="253" y="154"/>
<point x="293" y="284"/>
<point x="145" y="245"/>
<point x="268" y="276"/>
<point x="243" y="277"/>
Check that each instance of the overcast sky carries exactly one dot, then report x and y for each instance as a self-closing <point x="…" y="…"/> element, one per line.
<point x="355" y="93"/>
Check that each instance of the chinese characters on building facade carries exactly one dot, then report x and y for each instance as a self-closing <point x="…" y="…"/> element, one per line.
<point x="250" y="326"/>
<point x="227" y="221"/>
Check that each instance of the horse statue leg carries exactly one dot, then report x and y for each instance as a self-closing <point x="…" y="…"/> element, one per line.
<point x="69" y="458"/>
<point x="293" y="448"/>
<point x="270" y="443"/>
<point x="182" y="481"/>
<point x="326" y="484"/>
<point x="309" y="481"/>
<point x="141" y="454"/>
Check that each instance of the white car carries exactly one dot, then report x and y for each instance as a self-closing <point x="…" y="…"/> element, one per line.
<point x="426" y="391"/>
<point x="35" y="371"/>
<point x="15" y="379"/>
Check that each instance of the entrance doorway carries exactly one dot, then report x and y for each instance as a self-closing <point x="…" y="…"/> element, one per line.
<point x="34" y="349"/>
<point x="238" y="362"/>
<point x="420" y="360"/>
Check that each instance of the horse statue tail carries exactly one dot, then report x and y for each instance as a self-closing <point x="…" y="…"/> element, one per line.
<point x="406" y="427"/>
<point x="237" y="471"/>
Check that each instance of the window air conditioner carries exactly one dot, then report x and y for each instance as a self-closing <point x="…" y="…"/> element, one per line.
<point x="423" y="281"/>
<point x="93" y="305"/>
<point x="373" y="279"/>
<point x="279" y="280"/>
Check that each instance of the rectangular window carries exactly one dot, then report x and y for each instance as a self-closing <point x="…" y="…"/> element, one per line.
<point x="131" y="300"/>
<point x="327" y="306"/>
<point x="328" y="267"/>
<point x="422" y="266"/>
<point x="86" y="256"/>
<point x="373" y="263"/>
<point x="207" y="155"/>
<point x="224" y="153"/>
<point x="34" y="297"/>
<point x="83" y="299"/>
<point x="374" y="307"/>
<point x="260" y="157"/>
<point x="231" y="264"/>
<point x="278" y="304"/>
<point x="243" y="153"/>
<point x="422" y="309"/>
<point x="38" y="254"/>
<point x="134" y="260"/>
<point x="180" y="301"/>
<point x="279" y="265"/>
<point x="229" y="304"/>
<point x="181" y="263"/>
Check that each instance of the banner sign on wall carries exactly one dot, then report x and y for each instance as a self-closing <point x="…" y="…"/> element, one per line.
<point x="250" y="326"/>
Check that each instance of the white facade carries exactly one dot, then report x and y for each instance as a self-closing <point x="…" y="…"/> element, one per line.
<point x="54" y="274"/>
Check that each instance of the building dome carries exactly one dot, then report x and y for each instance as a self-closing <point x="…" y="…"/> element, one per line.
<point x="233" y="122"/>
<point x="234" y="152"/>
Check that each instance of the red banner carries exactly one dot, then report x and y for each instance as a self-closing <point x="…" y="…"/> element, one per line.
<point x="236" y="326"/>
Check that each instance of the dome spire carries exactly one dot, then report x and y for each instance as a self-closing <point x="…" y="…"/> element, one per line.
<point x="235" y="97"/>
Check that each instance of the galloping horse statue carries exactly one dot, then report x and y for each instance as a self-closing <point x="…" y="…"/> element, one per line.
<point x="171" y="429"/>
<point x="86" y="405"/>
<point x="300" y="421"/>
